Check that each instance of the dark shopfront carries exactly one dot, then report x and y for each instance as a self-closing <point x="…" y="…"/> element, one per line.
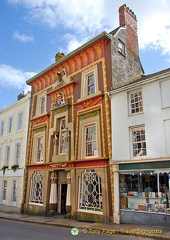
<point x="145" y="193"/>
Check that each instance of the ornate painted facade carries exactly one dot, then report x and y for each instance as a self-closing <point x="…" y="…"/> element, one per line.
<point x="69" y="146"/>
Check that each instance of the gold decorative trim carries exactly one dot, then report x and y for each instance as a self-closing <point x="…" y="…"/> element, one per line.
<point x="108" y="124"/>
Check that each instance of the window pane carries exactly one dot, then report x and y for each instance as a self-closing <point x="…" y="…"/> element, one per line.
<point x="90" y="191"/>
<point x="91" y="141"/>
<point x="136" y="102"/>
<point x="138" y="142"/>
<point x="90" y="84"/>
<point x="36" y="194"/>
<point x="40" y="150"/>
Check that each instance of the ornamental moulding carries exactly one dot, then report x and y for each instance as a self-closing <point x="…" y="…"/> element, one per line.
<point x="89" y="103"/>
<point x="40" y="120"/>
<point x="81" y="60"/>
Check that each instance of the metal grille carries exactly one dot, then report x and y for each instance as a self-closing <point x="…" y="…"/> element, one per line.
<point x="90" y="191"/>
<point x="36" y="195"/>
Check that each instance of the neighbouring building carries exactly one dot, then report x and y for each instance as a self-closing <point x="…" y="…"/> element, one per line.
<point x="141" y="150"/>
<point x="14" y="121"/>
<point x="69" y="147"/>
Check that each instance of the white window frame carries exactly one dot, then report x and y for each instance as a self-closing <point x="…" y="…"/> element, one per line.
<point x="20" y="121"/>
<point x="86" y="142"/>
<point x="62" y="148"/>
<point x="40" y="149"/>
<point x="138" y="141"/>
<point x="17" y="154"/>
<point x="4" y="190"/>
<point x="7" y="155"/>
<point x="14" y="191"/>
<point x="36" y="187"/>
<point x="10" y="124"/>
<point x="135" y="102"/>
<point x="2" y="128"/>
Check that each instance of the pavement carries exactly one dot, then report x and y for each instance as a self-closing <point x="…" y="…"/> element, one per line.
<point x="154" y="232"/>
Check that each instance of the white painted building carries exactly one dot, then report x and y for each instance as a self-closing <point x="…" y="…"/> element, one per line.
<point x="14" y="121"/>
<point x="140" y="119"/>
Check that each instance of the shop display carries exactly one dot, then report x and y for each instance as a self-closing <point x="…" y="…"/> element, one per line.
<point x="145" y="191"/>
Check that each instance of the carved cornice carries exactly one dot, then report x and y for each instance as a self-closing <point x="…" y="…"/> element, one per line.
<point x="81" y="59"/>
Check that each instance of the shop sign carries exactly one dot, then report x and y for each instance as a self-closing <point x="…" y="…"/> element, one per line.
<point x="145" y="165"/>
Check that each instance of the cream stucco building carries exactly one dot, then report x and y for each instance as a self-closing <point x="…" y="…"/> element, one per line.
<point x="13" y="139"/>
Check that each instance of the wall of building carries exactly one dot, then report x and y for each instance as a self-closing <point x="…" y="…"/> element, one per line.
<point x="11" y="139"/>
<point x="155" y="117"/>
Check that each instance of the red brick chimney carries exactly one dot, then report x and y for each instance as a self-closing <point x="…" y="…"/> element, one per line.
<point x="128" y="18"/>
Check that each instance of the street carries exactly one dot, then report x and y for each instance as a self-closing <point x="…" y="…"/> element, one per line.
<point x="15" y="230"/>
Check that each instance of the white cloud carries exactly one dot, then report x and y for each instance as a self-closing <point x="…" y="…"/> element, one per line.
<point x="14" y="78"/>
<point x="23" y="37"/>
<point x="87" y="18"/>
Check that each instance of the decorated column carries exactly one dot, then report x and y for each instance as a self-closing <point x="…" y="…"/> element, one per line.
<point x="68" y="198"/>
<point x="53" y="193"/>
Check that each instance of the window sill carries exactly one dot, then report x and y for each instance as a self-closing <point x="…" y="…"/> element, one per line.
<point x="134" y="114"/>
<point x="90" y="212"/>
<point x="89" y="96"/>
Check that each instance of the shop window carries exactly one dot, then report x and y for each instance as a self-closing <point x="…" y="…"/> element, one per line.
<point x="36" y="194"/>
<point x="90" y="191"/>
<point x="40" y="149"/>
<point x="138" y="141"/>
<point x="145" y="191"/>
<point x="136" y="102"/>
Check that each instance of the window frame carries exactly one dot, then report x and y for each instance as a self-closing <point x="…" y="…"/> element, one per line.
<point x="2" y="128"/>
<point x="40" y="152"/>
<point x="84" y="82"/>
<point x="33" y="190"/>
<point x="4" y="190"/>
<point x="84" y="205"/>
<point x="20" y="121"/>
<point x="7" y="155"/>
<point x="121" y="47"/>
<point x="62" y="137"/>
<point x="10" y="124"/>
<point x="42" y="104"/>
<point x="17" y="156"/>
<point x="138" y="105"/>
<point x="14" y="191"/>
<point x="91" y="142"/>
<point x="143" y="149"/>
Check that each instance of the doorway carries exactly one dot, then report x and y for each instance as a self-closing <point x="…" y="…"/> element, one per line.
<point x="63" y="198"/>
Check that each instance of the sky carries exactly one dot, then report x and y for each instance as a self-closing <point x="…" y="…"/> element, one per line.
<point x="33" y="31"/>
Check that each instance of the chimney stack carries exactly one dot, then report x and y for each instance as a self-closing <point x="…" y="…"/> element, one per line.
<point x="58" y="56"/>
<point x="128" y="18"/>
